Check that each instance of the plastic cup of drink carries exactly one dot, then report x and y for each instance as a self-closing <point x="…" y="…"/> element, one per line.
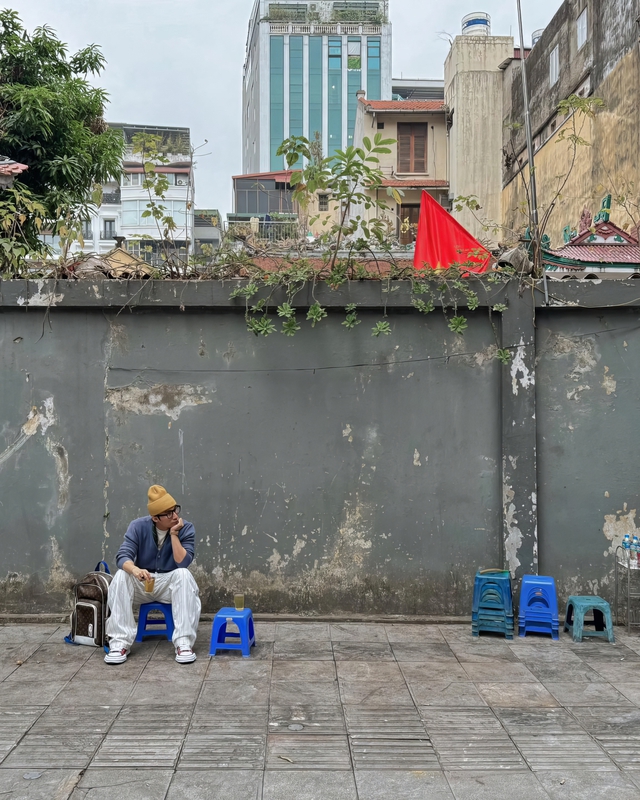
<point x="238" y="601"/>
<point x="149" y="584"/>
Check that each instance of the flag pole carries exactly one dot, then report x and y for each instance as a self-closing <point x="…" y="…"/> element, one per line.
<point x="533" y="193"/>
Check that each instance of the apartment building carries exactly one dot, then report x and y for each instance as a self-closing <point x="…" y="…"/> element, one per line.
<point x="304" y="63"/>
<point x="125" y="201"/>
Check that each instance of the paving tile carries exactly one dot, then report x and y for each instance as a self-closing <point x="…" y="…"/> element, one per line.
<point x="303" y="651"/>
<point x="580" y="785"/>
<point x="456" y="694"/>
<point x="31" y="632"/>
<point x="152" y="692"/>
<point x="16" y="693"/>
<point x="302" y="632"/>
<point x="44" y="784"/>
<point x="389" y="738"/>
<point x="498" y="671"/>
<point x="63" y="738"/>
<point x="616" y="729"/>
<point x="122" y="784"/>
<point x="545" y="672"/>
<point x="630" y="690"/>
<point x="516" y="695"/>
<point x="201" y="784"/>
<point x="254" y="693"/>
<point x="375" y="693"/>
<point x="308" y="785"/>
<point x="362" y="651"/>
<point x="585" y="694"/>
<point x="304" y="671"/>
<point x="263" y="651"/>
<point x="404" y="785"/>
<point x="15" y="721"/>
<point x="433" y="670"/>
<point x="368" y="670"/>
<point x="101" y="692"/>
<point x="12" y="652"/>
<point x="96" y="668"/>
<point x="229" y="719"/>
<point x="484" y="652"/>
<point x="616" y="671"/>
<point x="265" y="631"/>
<point x="419" y="634"/>
<point x="600" y="649"/>
<point x="355" y="632"/>
<point x="471" y="739"/>
<point x="144" y="737"/>
<point x="456" y="633"/>
<point x="204" y="749"/>
<point x="293" y="751"/>
<point x="428" y="651"/>
<point x="238" y="669"/>
<point x="318" y="692"/>
<point x="163" y="665"/>
<point x="305" y="718"/>
<point x="496" y="786"/>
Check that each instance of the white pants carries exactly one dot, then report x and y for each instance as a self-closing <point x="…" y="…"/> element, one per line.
<point x="178" y="588"/>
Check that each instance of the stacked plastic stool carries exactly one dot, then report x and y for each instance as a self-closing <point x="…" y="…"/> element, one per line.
<point x="244" y="640"/>
<point x="538" y="607"/>
<point x="574" y="620"/>
<point x="492" y="610"/>
<point x="145" y="630"/>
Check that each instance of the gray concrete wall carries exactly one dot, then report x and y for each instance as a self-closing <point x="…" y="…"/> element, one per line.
<point x="328" y="473"/>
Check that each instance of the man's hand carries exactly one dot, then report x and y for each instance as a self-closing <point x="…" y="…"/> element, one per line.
<point x="175" y="530"/>
<point x="141" y="574"/>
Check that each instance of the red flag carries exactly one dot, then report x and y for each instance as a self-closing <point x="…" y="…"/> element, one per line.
<point x="442" y="241"/>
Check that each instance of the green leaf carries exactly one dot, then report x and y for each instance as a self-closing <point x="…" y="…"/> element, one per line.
<point x="316" y="314"/>
<point x="458" y="324"/>
<point x="504" y="356"/>
<point x="381" y="329"/>
<point x="499" y="307"/>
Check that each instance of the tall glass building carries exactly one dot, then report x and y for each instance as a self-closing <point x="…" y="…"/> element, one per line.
<point x="305" y="62"/>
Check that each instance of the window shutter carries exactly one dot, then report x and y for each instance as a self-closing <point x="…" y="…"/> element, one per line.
<point x="404" y="147"/>
<point x="419" y="148"/>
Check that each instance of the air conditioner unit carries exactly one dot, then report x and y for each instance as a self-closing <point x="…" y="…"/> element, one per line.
<point x="182" y="182"/>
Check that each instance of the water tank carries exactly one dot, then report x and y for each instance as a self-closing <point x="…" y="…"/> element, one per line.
<point x="536" y="36"/>
<point x="476" y="24"/>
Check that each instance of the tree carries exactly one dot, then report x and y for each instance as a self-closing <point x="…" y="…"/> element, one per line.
<point x="51" y="119"/>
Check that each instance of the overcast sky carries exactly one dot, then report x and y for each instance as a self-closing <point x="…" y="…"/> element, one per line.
<point x="179" y="62"/>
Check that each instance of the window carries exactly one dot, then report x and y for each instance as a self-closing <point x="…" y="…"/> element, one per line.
<point x="87" y="232"/>
<point x="412" y="147"/>
<point x="132" y="179"/>
<point x="381" y="126"/>
<point x="132" y="211"/>
<point x="323" y="202"/>
<point x="582" y="29"/>
<point x="108" y="228"/>
<point x="354" y="49"/>
<point x="554" y="65"/>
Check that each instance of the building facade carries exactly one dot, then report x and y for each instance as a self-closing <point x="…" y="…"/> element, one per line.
<point x="589" y="49"/>
<point x="125" y="201"/>
<point x="305" y="61"/>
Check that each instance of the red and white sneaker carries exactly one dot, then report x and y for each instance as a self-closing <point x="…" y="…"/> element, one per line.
<point x="116" y="655"/>
<point x="184" y="655"/>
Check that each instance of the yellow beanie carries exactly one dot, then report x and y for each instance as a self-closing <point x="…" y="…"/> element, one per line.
<point x="159" y="500"/>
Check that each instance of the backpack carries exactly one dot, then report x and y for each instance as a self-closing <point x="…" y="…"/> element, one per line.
<point x="90" y="608"/>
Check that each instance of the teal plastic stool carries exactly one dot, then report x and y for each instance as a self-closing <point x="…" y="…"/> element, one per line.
<point x="577" y="607"/>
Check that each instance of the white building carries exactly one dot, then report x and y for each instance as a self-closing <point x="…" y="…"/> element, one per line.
<point x="305" y="61"/>
<point x="124" y="203"/>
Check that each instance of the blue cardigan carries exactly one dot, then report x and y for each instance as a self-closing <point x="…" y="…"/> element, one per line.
<point x="140" y="547"/>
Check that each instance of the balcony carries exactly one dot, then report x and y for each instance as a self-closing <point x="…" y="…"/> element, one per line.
<point x="107" y="235"/>
<point x="111" y="198"/>
<point x="271" y="230"/>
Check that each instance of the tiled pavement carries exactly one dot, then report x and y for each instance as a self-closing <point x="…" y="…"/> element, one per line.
<point x="333" y="712"/>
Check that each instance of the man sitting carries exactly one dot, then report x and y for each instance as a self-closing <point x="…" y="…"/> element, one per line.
<point x="161" y="547"/>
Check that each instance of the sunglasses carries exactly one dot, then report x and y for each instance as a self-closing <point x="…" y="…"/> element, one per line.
<point x="173" y="511"/>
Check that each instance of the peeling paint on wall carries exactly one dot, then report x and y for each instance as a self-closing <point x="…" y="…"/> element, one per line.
<point x="519" y="368"/>
<point x="617" y="525"/>
<point x="160" y="399"/>
<point x="609" y="384"/>
<point x="514" y="538"/>
<point x="37" y="420"/>
<point x="39" y="299"/>
<point x="416" y="459"/>
<point x="61" y="459"/>
<point x="60" y="579"/>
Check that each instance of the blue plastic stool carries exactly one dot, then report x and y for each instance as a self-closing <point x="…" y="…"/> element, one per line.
<point x="538" y="606"/>
<point x="578" y="606"/>
<point x="244" y="640"/>
<point x="492" y="609"/>
<point x="145" y="632"/>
